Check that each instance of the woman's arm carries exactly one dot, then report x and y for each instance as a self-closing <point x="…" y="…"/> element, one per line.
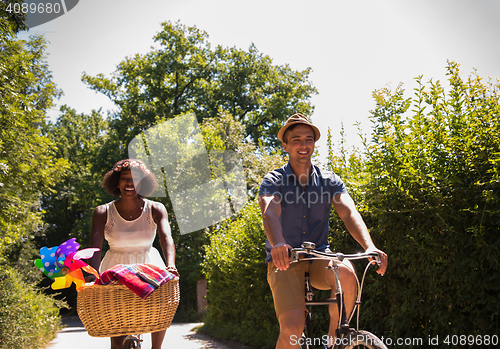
<point x="97" y="237"/>
<point x="160" y="216"/>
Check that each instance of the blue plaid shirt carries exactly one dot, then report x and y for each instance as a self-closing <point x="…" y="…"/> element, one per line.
<point x="305" y="211"/>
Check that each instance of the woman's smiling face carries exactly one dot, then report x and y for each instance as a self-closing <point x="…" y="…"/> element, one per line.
<point x="126" y="184"/>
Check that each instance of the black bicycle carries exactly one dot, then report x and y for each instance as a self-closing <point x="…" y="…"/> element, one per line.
<point x="346" y="337"/>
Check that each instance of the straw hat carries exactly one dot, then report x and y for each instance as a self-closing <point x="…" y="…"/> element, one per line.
<point x="295" y="119"/>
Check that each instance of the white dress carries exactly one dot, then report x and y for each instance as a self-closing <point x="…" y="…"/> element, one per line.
<point x="130" y="242"/>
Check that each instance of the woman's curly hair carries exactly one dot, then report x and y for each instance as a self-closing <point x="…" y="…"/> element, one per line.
<point x="147" y="181"/>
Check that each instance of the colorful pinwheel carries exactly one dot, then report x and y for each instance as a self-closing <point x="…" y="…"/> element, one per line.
<point x="63" y="263"/>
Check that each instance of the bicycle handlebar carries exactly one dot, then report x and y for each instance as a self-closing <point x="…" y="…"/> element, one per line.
<point x="311" y="254"/>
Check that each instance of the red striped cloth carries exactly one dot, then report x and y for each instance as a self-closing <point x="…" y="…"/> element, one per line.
<point x="142" y="279"/>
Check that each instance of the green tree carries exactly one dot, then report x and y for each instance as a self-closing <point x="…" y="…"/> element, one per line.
<point x="69" y="208"/>
<point x="256" y="92"/>
<point x="434" y="207"/>
<point x="185" y="74"/>
<point x="28" y="169"/>
<point x="11" y="22"/>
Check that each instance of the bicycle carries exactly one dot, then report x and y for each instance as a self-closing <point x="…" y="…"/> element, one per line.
<point x="132" y="341"/>
<point x="346" y="337"/>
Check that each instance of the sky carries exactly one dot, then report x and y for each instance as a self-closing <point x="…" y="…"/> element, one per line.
<point x="353" y="47"/>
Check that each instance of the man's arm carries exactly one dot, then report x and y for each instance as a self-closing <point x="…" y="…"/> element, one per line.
<point x="346" y="209"/>
<point x="160" y="217"/>
<point x="271" y="211"/>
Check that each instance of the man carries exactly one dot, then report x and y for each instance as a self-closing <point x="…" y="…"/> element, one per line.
<point x="296" y="201"/>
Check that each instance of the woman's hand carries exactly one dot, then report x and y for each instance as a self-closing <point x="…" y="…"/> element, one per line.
<point x="173" y="270"/>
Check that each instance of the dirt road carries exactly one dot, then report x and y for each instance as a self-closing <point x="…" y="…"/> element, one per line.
<point x="179" y="335"/>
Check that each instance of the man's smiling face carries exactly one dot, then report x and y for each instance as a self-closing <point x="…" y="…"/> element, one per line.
<point x="299" y="143"/>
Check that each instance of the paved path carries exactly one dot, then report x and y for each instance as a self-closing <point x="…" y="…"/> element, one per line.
<point x="179" y="335"/>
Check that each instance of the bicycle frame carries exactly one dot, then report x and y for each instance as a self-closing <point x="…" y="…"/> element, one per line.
<point x="133" y="341"/>
<point x="306" y="253"/>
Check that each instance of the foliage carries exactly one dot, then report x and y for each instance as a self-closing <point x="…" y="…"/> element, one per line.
<point x="28" y="168"/>
<point x="27" y="165"/>
<point x="11" y="22"/>
<point x="240" y="305"/>
<point x="220" y="133"/>
<point x="184" y="74"/>
<point x="28" y="318"/>
<point x="434" y="205"/>
<point x="350" y="165"/>
<point x="224" y="132"/>
<point x="69" y="208"/>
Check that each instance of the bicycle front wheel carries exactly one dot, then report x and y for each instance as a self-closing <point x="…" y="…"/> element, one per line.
<point x="132" y="342"/>
<point x="362" y="339"/>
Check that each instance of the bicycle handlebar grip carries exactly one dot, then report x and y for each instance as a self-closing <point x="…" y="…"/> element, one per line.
<point x="376" y="257"/>
<point x="294" y="256"/>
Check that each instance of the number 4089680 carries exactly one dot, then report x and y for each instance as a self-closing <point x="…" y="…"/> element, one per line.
<point x="471" y="340"/>
<point x="47" y="7"/>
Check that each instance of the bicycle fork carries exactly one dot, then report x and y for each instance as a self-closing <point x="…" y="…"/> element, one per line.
<point x="343" y="327"/>
<point x="309" y="298"/>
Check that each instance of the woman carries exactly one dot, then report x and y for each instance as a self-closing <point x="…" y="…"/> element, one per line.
<point x="129" y="225"/>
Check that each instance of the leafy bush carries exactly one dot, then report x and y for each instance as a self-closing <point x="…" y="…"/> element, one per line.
<point x="240" y="304"/>
<point x="434" y="204"/>
<point x="28" y="318"/>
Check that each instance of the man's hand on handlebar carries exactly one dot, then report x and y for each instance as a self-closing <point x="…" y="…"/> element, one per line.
<point x="281" y="256"/>
<point x="383" y="260"/>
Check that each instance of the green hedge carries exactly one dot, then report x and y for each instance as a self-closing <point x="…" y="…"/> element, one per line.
<point x="28" y="318"/>
<point x="240" y="304"/>
<point x="434" y="207"/>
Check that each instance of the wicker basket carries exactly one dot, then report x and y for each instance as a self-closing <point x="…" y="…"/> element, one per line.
<point x="114" y="310"/>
